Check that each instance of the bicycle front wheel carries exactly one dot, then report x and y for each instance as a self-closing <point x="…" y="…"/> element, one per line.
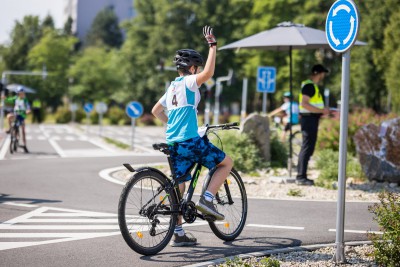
<point x="231" y="200"/>
<point x="296" y="146"/>
<point x="144" y="213"/>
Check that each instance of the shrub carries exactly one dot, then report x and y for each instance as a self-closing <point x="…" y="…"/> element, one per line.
<point x="387" y="215"/>
<point x="79" y="115"/>
<point x="115" y="115"/>
<point x="242" y="149"/>
<point x="147" y="120"/>
<point x="328" y="163"/>
<point x="63" y="115"/>
<point x="329" y="129"/>
<point x="279" y="153"/>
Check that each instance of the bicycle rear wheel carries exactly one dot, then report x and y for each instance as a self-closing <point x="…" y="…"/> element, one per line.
<point x="231" y="200"/>
<point x="14" y="136"/>
<point x="142" y="225"/>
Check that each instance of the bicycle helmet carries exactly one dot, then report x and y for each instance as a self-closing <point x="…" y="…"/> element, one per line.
<point x="20" y="89"/>
<point x="185" y="58"/>
<point x="287" y="94"/>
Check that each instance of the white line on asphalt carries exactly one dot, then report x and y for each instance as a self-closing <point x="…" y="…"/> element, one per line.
<point x="358" y="231"/>
<point x="5" y="147"/>
<point x="19" y="204"/>
<point x="275" y="226"/>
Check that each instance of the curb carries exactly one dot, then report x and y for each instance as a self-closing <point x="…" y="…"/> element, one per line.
<point x="274" y="251"/>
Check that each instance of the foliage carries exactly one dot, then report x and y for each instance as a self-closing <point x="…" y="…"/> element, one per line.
<point x="242" y="149"/>
<point x="250" y="262"/>
<point x="329" y="129"/>
<point x="328" y="163"/>
<point x="63" y="115"/>
<point x="147" y="120"/>
<point x="115" y="114"/>
<point x="105" y="29"/>
<point x="387" y="215"/>
<point x="294" y="192"/>
<point x="279" y="154"/>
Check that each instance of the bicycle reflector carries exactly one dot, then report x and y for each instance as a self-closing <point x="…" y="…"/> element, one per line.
<point x="139" y="234"/>
<point x="226" y="225"/>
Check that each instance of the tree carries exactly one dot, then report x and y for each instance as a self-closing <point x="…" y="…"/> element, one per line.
<point x="67" y="30"/>
<point x="105" y="29"/>
<point x="54" y="51"/>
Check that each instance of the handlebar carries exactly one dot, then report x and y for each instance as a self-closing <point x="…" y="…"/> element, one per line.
<point x="225" y="126"/>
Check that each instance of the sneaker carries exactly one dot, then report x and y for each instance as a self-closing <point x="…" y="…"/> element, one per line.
<point x="183" y="241"/>
<point x="207" y="207"/>
<point x="304" y="181"/>
<point x="26" y="149"/>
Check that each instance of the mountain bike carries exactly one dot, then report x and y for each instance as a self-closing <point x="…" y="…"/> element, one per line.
<point x="15" y="134"/>
<point x="150" y="203"/>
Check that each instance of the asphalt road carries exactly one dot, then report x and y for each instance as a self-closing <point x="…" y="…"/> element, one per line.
<point x="57" y="211"/>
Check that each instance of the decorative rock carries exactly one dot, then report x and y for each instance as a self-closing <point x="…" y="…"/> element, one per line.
<point x="257" y="127"/>
<point x="378" y="149"/>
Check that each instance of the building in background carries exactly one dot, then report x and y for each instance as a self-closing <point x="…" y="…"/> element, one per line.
<point x="83" y="13"/>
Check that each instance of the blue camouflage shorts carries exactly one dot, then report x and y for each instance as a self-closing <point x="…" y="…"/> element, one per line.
<point x="197" y="149"/>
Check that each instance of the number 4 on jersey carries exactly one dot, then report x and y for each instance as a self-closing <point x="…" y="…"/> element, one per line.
<point x="174" y="101"/>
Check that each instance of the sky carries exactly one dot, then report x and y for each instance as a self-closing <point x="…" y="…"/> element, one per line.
<point x="12" y="10"/>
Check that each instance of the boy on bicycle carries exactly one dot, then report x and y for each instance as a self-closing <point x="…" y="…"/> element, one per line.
<point x="185" y="144"/>
<point x="21" y="109"/>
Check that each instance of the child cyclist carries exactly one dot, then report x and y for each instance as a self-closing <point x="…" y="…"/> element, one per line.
<point x="186" y="146"/>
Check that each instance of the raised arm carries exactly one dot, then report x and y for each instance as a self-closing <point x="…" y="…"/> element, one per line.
<point x="209" y="68"/>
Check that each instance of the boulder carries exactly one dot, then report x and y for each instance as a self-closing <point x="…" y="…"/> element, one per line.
<point x="378" y="149"/>
<point x="257" y="126"/>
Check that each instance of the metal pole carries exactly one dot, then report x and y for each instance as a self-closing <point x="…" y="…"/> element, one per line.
<point x="207" y="107"/>
<point x="344" y="109"/>
<point x="100" y="123"/>
<point x="244" y="100"/>
<point x="133" y="120"/>
<point x="264" y="105"/>
<point x="216" y="106"/>
<point x="291" y="114"/>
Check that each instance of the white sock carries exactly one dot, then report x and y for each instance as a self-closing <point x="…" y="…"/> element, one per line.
<point x="179" y="230"/>
<point x="208" y="196"/>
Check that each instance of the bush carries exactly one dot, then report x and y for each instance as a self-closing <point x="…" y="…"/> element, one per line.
<point x="63" y="115"/>
<point x="242" y="149"/>
<point x="279" y="153"/>
<point x="328" y="163"/>
<point x="387" y="215"/>
<point x="329" y="129"/>
<point x="116" y="115"/>
<point x="147" y="120"/>
<point x="79" y="115"/>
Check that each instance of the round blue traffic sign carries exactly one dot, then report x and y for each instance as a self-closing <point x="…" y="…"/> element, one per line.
<point x="134" y="109"/>
<point x="342" y="25"/>
<point x="88" y="107"/>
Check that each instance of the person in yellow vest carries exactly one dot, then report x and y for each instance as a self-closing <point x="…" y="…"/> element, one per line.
<point x="311" y="109"/>
<point x="36" y="109"/>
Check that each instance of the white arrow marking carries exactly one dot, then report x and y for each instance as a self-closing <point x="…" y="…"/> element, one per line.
<point x="341" y="7"/>
<point x="135" y="111"/>
<point x="336" y="41"/>
<point x="352" y="19"/>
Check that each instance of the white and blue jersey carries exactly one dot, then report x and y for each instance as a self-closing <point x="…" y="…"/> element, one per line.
<point x="181" y="100"/>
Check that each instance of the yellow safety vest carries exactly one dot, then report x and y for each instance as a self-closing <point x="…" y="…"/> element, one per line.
<point x="316" y="100"/>
<point x="36" y="104"/>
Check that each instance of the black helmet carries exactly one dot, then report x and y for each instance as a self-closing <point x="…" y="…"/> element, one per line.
<point x="185" y="58"/>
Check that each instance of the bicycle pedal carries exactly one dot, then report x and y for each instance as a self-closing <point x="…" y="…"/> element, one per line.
<point x="210" y="218"/>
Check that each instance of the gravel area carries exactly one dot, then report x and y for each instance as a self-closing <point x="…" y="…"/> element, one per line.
<point x="271" y="184"/>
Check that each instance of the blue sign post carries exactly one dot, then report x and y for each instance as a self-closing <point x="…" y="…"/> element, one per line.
<point x="341" y="30"/>
<point x="134" y="110"/>
<point x="266" y="83"/>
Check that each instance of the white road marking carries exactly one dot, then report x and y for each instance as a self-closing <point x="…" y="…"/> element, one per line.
<point x="5" y="147"/>
<point x="19" y="204"/>
<point x="275" y="226"/>
<point x="77" y="224"/>
<point x="358" y="231"/>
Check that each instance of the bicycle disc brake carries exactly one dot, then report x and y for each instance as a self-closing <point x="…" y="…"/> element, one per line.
<point x="189" y="212"/>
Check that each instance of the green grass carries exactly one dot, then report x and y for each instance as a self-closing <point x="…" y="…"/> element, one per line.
<point x="116" y="143"/>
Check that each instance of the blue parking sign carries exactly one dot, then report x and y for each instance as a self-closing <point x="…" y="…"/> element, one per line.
<point x="266" y="79"/>
<point x="134" y="109"/>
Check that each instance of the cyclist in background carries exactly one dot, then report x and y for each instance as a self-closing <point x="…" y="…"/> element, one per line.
<point x="287" y="120"/>
<point x="21" y="109"/>
<point x="185" y="144"/>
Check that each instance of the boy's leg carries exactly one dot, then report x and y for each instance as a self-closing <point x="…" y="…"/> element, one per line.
<point x="220" y="175"/>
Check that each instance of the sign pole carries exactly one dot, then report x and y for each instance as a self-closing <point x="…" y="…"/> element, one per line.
<point x="133" y="120"/>
<point x="344" y="109"/>
<point x="264" y="107"/>
<point x="244" y="100"/>
<point x="100" y="123"/>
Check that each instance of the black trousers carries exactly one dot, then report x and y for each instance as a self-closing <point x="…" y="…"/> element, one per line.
<point x="309" y="130"/>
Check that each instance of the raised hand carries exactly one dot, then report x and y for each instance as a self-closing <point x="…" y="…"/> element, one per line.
<point x="208" y="34"/>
